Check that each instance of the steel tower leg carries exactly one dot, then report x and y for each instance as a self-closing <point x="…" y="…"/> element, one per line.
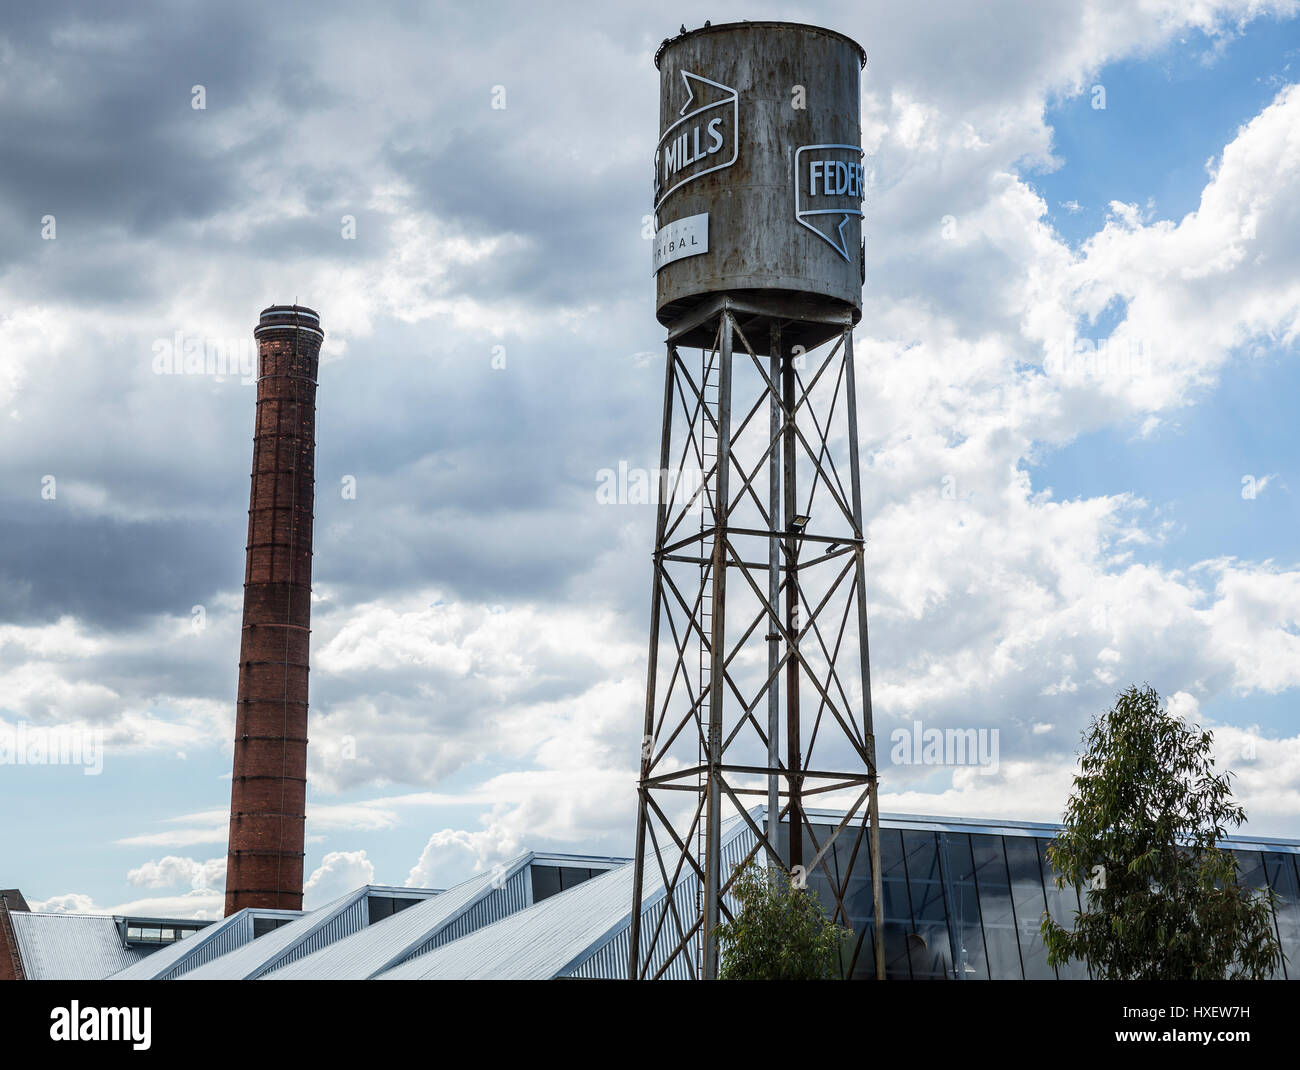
<point x="790" y="445"/>
<point x="774" y="598"/>
<point x="656" y="597"/>
<point x="877" y="897"/>
<point x="717" y="651"/>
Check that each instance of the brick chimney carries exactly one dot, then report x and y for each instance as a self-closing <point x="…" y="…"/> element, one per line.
<point x="268" y="793"/>
<point x="11" y="963"/>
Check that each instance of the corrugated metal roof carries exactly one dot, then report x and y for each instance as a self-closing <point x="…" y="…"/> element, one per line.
<point x="482" y="900"/>
<point x="607" y="956"/>
<point x="395" y="939"/>
<point x="344" y="916"/>
<point x="219" y="938"/>
<point x="253" y="959"/>
<point x="560" y="935"/>
<point x="534" y="943"/>
<point x="80" y="947"/>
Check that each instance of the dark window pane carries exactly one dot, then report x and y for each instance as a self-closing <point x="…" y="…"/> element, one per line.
<point x="546" y="882"/>
<point x="891" y="854"/>
<point x="995" y="907"/>
<point x="929" y="945"/>
<point x="898" y="965"/>
<point x="1250" y="865"/>
<point x="967" y="935"/>
<point x="1062" y="905"/>
<point x="1280" y="869"/>
<point x="858" y="902"/>
<point x="1030" y="905"/>
<point x="897" y="905"/>
<point x="958" y="857"/>
<point x="1250" y="873"/>
<point x="262" y="926"/>
<point x="826" y="878"/>
<point x="853" y="858"/>
<point x="922" y="855"/>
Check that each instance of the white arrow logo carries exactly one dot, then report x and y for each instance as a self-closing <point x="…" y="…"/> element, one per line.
<point x="690" y="140"/>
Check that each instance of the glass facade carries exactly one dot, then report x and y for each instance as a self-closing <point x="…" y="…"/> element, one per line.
<point x="968" y="905"/>
<point x="1283" y="875"/>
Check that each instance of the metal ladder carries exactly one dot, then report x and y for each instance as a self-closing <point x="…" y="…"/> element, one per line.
<point x="708" y="457"/>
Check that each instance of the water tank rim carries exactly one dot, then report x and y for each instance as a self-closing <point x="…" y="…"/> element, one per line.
<point x="760" y="24"/>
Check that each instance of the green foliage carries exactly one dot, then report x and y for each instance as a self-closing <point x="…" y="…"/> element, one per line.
<point x="781" y="932"/>
<point x="1161" y="902"/>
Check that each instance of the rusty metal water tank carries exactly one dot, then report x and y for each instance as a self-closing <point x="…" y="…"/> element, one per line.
<point x="758" y="182"/>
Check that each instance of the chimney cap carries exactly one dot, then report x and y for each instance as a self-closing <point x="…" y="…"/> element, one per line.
<point x="288" y="317"/>
<point x="289" y="310"/>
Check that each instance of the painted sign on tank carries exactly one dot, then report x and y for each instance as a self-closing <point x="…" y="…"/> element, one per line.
<point x="828" y="191"/>
<point x="705" y="139"/>
<point x="681" y="237"/>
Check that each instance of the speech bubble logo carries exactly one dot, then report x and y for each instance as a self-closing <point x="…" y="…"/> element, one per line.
<point x="828" y="191"/>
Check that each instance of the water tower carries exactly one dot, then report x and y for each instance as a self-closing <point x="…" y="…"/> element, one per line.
<point x="759" y="684"/>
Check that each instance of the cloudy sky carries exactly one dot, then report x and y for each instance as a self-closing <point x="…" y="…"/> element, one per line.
<point x="1113" y="181"/>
